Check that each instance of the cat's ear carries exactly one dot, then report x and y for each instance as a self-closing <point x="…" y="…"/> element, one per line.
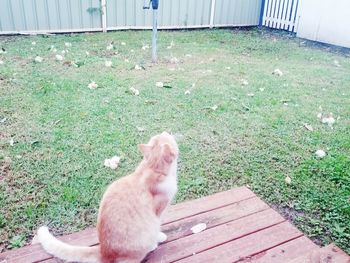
<point x="168" y="153"/>
<point x="145" y="149"/>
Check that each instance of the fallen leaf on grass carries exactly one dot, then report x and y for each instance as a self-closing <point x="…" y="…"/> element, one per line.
<point x="288" y="180"/>
<point x="159" y="84"/>
<point x="134" y="91"/>
<point x="336" y="63"/>
<point x="110" y="47"/>
<point x="308" y="127"/>
<point x="174" y="60"/>
<point x="171" y="45"/>
<point x="320" y="153"/>
<point x="277" y="72"/>
<point x="328" y="119"/>
<point x="198" y="228"/>
<point x="93" y="85"/>
<point x="38" y="59"/>
<point x="137" y="67"/>
<point x="108" y="64"/>
<point x="112" y="163"/>
<point x="244" y="82"/>
<point x="59" y="57"/>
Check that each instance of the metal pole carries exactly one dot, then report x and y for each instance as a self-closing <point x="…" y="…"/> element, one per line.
<point x="154" y="36"/>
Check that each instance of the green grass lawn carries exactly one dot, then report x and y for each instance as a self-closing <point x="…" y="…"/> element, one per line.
<point x="62" y="131"/>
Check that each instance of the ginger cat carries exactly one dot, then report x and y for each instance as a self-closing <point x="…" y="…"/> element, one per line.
<point x="128" y="224"/>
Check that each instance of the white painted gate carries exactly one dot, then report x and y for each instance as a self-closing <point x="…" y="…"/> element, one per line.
<point x="281" y="14"/>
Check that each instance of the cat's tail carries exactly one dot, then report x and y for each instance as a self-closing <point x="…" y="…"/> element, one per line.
<point x="65" y="251"/>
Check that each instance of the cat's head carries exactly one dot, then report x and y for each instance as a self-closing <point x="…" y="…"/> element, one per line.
<point x="160" y="152"/>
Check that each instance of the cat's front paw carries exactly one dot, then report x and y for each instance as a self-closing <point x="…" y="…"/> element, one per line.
<point x="162" y="237"/>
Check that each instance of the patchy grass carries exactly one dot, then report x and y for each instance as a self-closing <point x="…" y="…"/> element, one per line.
<point x="62" y="130"/>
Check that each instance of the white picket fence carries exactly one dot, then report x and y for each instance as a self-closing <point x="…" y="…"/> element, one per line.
<point x="281" y="14"/>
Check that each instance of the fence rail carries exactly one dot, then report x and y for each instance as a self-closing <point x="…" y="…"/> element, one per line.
<point x="51" y="16"/>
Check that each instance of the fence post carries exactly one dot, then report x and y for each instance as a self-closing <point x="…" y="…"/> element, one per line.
<point x="104" y="15"/>
<point x="212" y="13"/>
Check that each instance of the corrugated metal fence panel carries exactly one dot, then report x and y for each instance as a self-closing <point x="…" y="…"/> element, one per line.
<point x="73" y="16"/>
<point x="171" y="14"/>
<point x="237" y="12"/>
<point x="281" y="14"/>
<point x="49" y="15"/>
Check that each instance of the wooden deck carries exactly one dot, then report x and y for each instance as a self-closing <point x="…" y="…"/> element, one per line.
<point x="240" y="228"/>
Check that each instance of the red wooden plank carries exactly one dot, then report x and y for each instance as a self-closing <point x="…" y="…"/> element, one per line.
<point x="205" y="204"/>
<point x="88" y="237"/>
<point x="239" y="249"/>
<point x="328" y="254"/>
<point x="214" y="217"/>
<point x="285" y="252"/>
<point x="207" y="239"/>
<point x="33" y="253"/>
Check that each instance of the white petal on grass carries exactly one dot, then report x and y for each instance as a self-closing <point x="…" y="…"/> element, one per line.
<point x="250" y="94"/>
<point x="144" y="47"/>
<point x="110" y="47"/>
<point x="2" y="62"/>
<point x="277" y="72"/>
<point x="140" y="129"/>
<point x="67" y="44"/>
<point x="108" y="63"/>
<point x="214" y="108"/>
<point x="59" y="57"/>
<point x="329" y="119"/>
<point x="87" y="53"/>
<point x="137" y="67"/>
<point x="244" y="82"/>
<point x="320" y="153"/>
<point x="92" y="85"/>
<point x="187" y="92"/>
<point x="308" y="127"/>
<point x="112" y="163"/>
<point x="288" y="180"/>
<point x="261" y="89"/>
<point x="134" y="91"/>
<point x="2" y="51"/>
<point x="38" y="59"/>
<point x="12" y="142"/>
<point x="336" y="63"/>
<point x="198" y="228"/>
<point x="126" y="60"/>
<point x="159" y="84"/>
<point x="188" y="55"/>
<point x="123" y="43"/>
<point x="227" y="68"/>
<point x="63" y="52"/>
<point x="174" y="60"/>
<point x="33" y="43"/>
